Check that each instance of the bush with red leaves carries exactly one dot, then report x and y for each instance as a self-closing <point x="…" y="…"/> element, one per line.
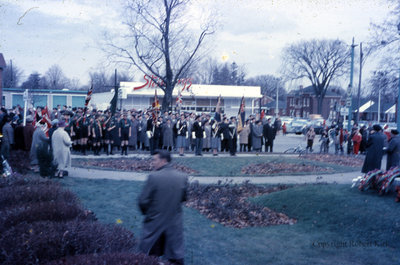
<point x="39" y="242"/>
<point x="19" y="161"/>
<point x="16" y="179"/>
<point x="31" y="193"/>
<point x="110" y="259"/>
<point x="42" y="211"/>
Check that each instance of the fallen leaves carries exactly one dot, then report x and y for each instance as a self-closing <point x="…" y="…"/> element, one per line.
<point x="282" y="168"/>
<point x="127" y="164"/>
<point x="342" y="160"/>
<point x="229" y="205"/>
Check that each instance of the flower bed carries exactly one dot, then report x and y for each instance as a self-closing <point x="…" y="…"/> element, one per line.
<point x="342" y="160"/>
<point x="128" y="164"/>
<point x="228" y="205"/>
<point x="282" y="168"/>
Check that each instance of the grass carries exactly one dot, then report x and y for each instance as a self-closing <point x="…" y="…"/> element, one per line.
<point x="336" y="225"/>
<point x="232" y="166"/>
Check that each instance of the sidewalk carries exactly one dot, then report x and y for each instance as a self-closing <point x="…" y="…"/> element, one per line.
<point x="340" y="178"/>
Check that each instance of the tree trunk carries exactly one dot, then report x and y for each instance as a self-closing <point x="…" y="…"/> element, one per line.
<point x="320" y="99"/>
<point x="167" y="99"/>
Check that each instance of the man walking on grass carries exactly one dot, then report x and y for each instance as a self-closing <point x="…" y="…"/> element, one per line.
<point x="160" y="202"/>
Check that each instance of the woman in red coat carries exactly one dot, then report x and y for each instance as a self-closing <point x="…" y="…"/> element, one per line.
<point x="356" y="141"/>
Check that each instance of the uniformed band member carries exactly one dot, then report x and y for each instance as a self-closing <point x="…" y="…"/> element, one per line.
<point x="124" y="133"/>
<point x="182" y="134"/>
<point x="97" y="135"/>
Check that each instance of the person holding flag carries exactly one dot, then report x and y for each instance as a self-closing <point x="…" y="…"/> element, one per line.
<point x="152" y="124"/>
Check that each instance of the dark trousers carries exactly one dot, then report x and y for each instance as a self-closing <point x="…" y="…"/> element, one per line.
<point x="158" y="250"/>
<point x="269" y="143"/>
<point x="199" y="145"/>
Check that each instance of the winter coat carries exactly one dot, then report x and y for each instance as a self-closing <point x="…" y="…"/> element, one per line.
<point x="134" y="133"/>
<point x="168" y="135"/>
<point x="373" y="158"/>
<point x="257" y="136"/>
<point x="160" y="202"/>
<point x="393" y="152"/>
<point x="39" y="142"/>
<point x="207" y="140"/>
<point x="61" y="142"/>
<point x="28" y="135"/>
<point x="244" y="135"/>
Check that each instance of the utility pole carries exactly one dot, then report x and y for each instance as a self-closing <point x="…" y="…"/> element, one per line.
<point x="277" y="97"/>
<point x="349" y="101"/>
<point x="359" y="85"/>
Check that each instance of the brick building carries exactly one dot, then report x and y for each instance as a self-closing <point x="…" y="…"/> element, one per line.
<point x="302" y="103"/>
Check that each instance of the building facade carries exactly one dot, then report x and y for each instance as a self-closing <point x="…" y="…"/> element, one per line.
<point x="302" y="103"/>
<point x="196" y="98"/>
<point x="43" y="97"/>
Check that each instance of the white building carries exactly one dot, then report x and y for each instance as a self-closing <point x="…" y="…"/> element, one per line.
<point x="198" y="98"/>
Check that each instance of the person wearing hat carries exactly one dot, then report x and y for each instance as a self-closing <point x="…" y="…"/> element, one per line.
<point x="61" y="143"/>
<point x="54" y="124"/>
<point x="393" y="150"/>
<point x="375" y="145"/>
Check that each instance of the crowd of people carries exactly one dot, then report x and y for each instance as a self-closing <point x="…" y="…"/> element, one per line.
<point x="372" y="141"/>
<point x="104" y="133"/>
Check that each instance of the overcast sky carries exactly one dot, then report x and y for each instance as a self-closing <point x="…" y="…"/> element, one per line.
<point x="38" y="34"/>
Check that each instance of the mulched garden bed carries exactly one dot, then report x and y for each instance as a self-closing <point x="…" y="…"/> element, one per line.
<point x="128" y="164"/>
<point x="228" y="204"/>
<point x="282" y="168"/>
<point x="341" y="160"/>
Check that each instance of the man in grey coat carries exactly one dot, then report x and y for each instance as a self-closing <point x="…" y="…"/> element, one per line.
<point x="393" y="150"/>
<point x="160" y="203"/>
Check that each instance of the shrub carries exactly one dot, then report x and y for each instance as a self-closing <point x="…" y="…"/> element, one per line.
<point x="45" y="241"/>
<point x="19" y="161"/>
<point x="45" y="159"/>
<point x="16" y="179"/>
<point x="42" y="211"/>
<point x="110" y="259"/>
<point x="48" y="191"/>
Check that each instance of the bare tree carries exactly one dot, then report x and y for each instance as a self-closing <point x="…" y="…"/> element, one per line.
<point x="159" y="43"/>
<point x="319" y="61"/>
<point x="11" y="75"/>
<point x="268" y="84"/>
<point x="56" y="78"/>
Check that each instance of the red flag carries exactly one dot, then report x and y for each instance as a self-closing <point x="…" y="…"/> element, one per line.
<point x="156" y="106"/>
<point x="262" y="115"/>
<point x="88" y="97"/>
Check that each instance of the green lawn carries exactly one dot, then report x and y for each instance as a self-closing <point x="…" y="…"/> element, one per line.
<point x="336" y="225"/>
<point x="232" y="166"/>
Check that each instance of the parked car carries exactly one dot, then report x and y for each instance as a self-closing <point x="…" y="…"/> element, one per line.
<point x="297" y="126"/>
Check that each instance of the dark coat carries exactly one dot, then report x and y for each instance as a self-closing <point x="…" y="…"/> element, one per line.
<point x="160" y="202"/>
<point x="373" y="158"/>
<point x="268" y="132"/>
<point x="198" y="129"/>
<point x="224" y="127"/>
<point x="393" y="152"/>
<point x="28" y="134"/>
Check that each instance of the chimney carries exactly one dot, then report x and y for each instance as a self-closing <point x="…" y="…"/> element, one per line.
<point x="2" y="66"/>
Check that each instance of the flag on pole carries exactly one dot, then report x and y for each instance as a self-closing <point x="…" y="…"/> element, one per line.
<point x="262" y="115"/>
<point x="114" y="101"/>
<point x="88" y="97"/>
<point x="218" y="110"/>
<point x="241" y="115"/>
<point x="156" y="106"/>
